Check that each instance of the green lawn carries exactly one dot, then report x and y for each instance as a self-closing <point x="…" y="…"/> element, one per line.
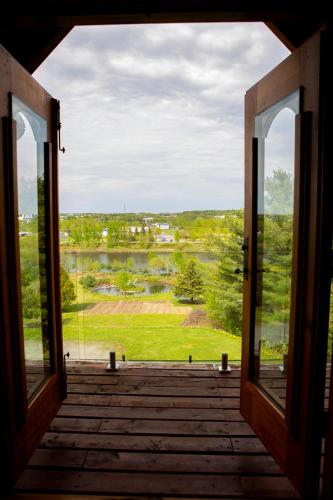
<point x="141" y="337"/>
<point x="138" y="336"/>
<point x="146" y="336"/>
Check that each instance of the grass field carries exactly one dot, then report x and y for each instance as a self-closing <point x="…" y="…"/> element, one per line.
<point x="147" y="336"/>
<point x="141" y="337"/>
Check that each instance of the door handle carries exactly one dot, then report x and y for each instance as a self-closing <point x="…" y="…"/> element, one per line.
<point x="245" y="248"/>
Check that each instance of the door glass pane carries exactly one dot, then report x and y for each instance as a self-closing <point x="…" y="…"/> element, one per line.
<point x="31" y="135"/>
<point x="275" y="131"/>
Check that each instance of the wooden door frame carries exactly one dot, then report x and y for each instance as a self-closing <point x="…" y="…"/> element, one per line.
<point x="295" y="447"/>
<point x="6" y="320"/>
<point x="25" y="423"/>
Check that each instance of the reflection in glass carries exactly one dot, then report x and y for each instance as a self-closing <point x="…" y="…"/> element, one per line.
<point x="275" y="131"/>
<point x="31" y="135"/>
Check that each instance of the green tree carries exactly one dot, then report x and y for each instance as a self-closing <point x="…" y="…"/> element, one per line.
<point x="117" y="233"/>
<point x="224" y="288"/>
<point x="157" y="264"/>
<point x="177" y="259"/>
<point x="279" y="193"/>
<point x="31" y="301"/>
<point x="151" y="238"/>
<point x="189" y="283"/>
<point x="67" y="289"/>
<point x="93" y="265"/>
<point x="123" y="282"/>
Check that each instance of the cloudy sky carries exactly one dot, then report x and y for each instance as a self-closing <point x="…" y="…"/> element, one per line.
<point x="153" y="114"/>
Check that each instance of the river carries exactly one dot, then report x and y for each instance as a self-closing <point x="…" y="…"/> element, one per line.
<point x="82" y="261"/>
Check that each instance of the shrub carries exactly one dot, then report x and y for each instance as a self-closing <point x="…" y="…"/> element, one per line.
<point x="88" y="281"/>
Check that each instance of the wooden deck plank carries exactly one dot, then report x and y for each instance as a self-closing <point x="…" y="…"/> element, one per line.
<point x="136" y="426"/>
<point x="192" y="444"/>
<point x="145" y="462"/>
<point x="151" y="401"/>
<point x="156" y="484"/>
<point x="148" y="432"/>
<point x="203" y="392"/>
<point x="247" y="445"/>
<point x="150" y="413"/>
<point x="208" y="372"/>
<point x="184" y="373"/>
<point x="58" y="458"/>
<point x="176" y="427"/>
<point x="157" y="462"/>
<point x="76" y="424"/>
<point x="157" y="381"/>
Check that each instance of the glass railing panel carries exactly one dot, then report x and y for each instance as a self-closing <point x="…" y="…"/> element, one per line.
<point x="71" y="306"/>
<point x="142" y="314"/>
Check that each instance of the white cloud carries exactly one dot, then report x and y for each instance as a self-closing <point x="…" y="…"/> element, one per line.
<point x="153" y="114"/>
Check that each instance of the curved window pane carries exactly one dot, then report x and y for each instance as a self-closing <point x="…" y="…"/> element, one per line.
<point x="31" y="134"/>
<point x="275" y="131"/>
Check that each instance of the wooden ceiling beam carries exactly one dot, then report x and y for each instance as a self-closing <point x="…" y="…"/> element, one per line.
<point x="65" y="13"/>
<point x="30" y="33"/>
<point x="32" y="46"/>
<point x="292" y="35"/>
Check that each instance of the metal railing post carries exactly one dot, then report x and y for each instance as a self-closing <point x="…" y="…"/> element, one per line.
<point x="224" y="368"/>
<point x="112" y="366"/>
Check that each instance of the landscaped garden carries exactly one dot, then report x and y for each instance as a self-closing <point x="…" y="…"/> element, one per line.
<point x="128" y="293"/>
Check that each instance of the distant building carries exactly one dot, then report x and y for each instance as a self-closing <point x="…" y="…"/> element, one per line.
<point x="165" y="238"/>
<point x="162" y="225"/>
<point x="63" y="234"/>
<point x="138" y="229"/>
<point x="26" y="217"/>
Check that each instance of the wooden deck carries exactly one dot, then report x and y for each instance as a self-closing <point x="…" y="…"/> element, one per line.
<point x="153" y="432"/>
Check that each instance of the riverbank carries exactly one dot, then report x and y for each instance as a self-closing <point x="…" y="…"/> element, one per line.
<point x="158" y="249"/>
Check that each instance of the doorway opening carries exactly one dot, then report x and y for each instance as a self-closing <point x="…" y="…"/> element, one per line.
<point x="151" y="188"/>
<point x="265" y="414"/>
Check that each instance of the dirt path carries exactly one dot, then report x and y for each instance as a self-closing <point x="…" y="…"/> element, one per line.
<point x="136" y="307"/>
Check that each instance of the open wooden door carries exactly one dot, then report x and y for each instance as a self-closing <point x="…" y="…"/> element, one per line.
<point x="31" y="368"/>
<point x="286" y="285"/>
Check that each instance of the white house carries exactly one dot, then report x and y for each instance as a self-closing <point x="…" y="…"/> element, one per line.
<point x="162" y="225"/>
<point x="148" y="220"/>
<point x="138" y="229"/>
